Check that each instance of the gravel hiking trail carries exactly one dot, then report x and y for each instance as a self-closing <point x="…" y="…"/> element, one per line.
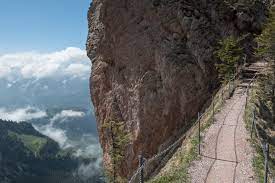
<point x="226" y="155"/>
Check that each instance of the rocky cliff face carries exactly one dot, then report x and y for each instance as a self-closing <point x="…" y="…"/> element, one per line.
<point x="153" y="65"/>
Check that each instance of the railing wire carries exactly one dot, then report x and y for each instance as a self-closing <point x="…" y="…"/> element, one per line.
<point x="263" y="144"/>
<point x="188" y="133"/>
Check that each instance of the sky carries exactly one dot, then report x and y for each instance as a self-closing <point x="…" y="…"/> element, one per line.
<point x="42" y="25"/>
<point x="43" y="38"/>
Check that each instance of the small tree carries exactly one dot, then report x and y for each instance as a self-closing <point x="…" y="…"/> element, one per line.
<point x="229" y="54"/>
<point x="266" y="40"/>
<point x="119" y="139"/>
<point x="266" y="51"/>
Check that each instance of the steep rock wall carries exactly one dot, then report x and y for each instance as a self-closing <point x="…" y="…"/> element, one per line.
<point x="153" y="65"/>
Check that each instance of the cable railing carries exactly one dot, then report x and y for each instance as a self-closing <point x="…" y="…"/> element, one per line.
<point x="150" y="165"/>
<point x="263" y="144"/>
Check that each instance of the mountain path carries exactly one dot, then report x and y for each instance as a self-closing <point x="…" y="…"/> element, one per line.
<point x="226" y="154"/>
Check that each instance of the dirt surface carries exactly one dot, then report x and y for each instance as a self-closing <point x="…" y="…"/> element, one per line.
<point x="226" y="154"/>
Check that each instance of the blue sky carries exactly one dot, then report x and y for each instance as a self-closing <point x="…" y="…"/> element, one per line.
<point x="42" y="25"/>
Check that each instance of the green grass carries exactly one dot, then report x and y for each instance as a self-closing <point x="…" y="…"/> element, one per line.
<point x="33" y="143"/>
<point x="258" y="162"/>
<point x="258" y="159"/>
<point x="180" y="174"/>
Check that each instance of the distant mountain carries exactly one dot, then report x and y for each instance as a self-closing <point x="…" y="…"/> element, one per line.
<point x="45" y="93"/>
<point x="59" y="108"/>
<point x="27" y="156"/>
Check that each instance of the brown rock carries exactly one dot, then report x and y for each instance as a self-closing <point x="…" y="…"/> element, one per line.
<point x="153" y="66"/>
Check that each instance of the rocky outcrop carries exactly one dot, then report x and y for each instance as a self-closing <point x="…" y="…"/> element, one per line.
<point x="153" y="65"/>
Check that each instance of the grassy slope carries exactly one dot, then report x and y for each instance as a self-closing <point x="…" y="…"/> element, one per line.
<point x="32" y="143"/>
<point x="32" y="157"/>
<point x="256" y="101"/>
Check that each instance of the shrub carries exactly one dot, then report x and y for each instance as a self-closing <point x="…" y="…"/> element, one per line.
<point x="266" y="40"/>
<point x="119" y="140"/>
<point x="229" y="54"/>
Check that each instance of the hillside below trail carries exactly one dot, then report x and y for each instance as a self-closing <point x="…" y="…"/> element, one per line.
<point x="226" y="153"/>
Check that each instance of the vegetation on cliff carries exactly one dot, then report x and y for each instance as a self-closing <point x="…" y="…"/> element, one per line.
<point x="230" y="54"/>
<point x="266" y="40"/>
<point x="120" y="139"/>
<point x="262" y="102"/>
<point x="262" y="99"/>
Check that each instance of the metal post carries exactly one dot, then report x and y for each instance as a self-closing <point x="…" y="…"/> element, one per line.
<point x="253" y="123"/>
<point x="199" y="119"/>
<point x="233" y="84"/>
<point x="266" y="162"/>
<point x="213" y="108"/>
<point x="141" y="177"/>
<point x="246" y="98"/>
<point x="247" y="95"/>
<point x="229" y="88"/>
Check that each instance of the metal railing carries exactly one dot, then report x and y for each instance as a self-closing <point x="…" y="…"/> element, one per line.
<point x="148" y="166"/>
<point x="253" y="130"/>
<point x="144" y="165"/>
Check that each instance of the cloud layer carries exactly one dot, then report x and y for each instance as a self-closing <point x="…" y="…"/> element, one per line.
<point x="57" y="134"/>
<point x="87" y="146"/>
<point x="21" y="114"/>
<point x="34" y="65"/>
<point x="63" y="115"/>
<point x="90" y="170"/>
<point x="29" y="113"/>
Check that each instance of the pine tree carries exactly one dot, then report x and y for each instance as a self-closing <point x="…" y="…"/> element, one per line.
<point x="229" y="54"/>
<point x="266" y="40"/>
<point x="266" y="50"/>
<point x="119" y="140"/>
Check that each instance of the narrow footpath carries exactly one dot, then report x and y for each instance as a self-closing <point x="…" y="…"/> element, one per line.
<point x="226" y="155"/>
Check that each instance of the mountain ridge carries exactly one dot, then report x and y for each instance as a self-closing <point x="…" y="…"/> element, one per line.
<point x="26" y="155"/>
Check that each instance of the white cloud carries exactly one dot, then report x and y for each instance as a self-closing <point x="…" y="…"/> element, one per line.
<point x="86" y="171"/>
<point x="68" y="62"/>
<point x="4" y="71"/>
<point x="77" y="70"/>
<point x="9" y="85"/>
<point x="56" y="134"/>
<point x="40" y="71"/>
<point x="45" y="87"/>
<point x="89" y="150"/>
<point x="63" y="115"/>
<point x="22" y="114"/>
